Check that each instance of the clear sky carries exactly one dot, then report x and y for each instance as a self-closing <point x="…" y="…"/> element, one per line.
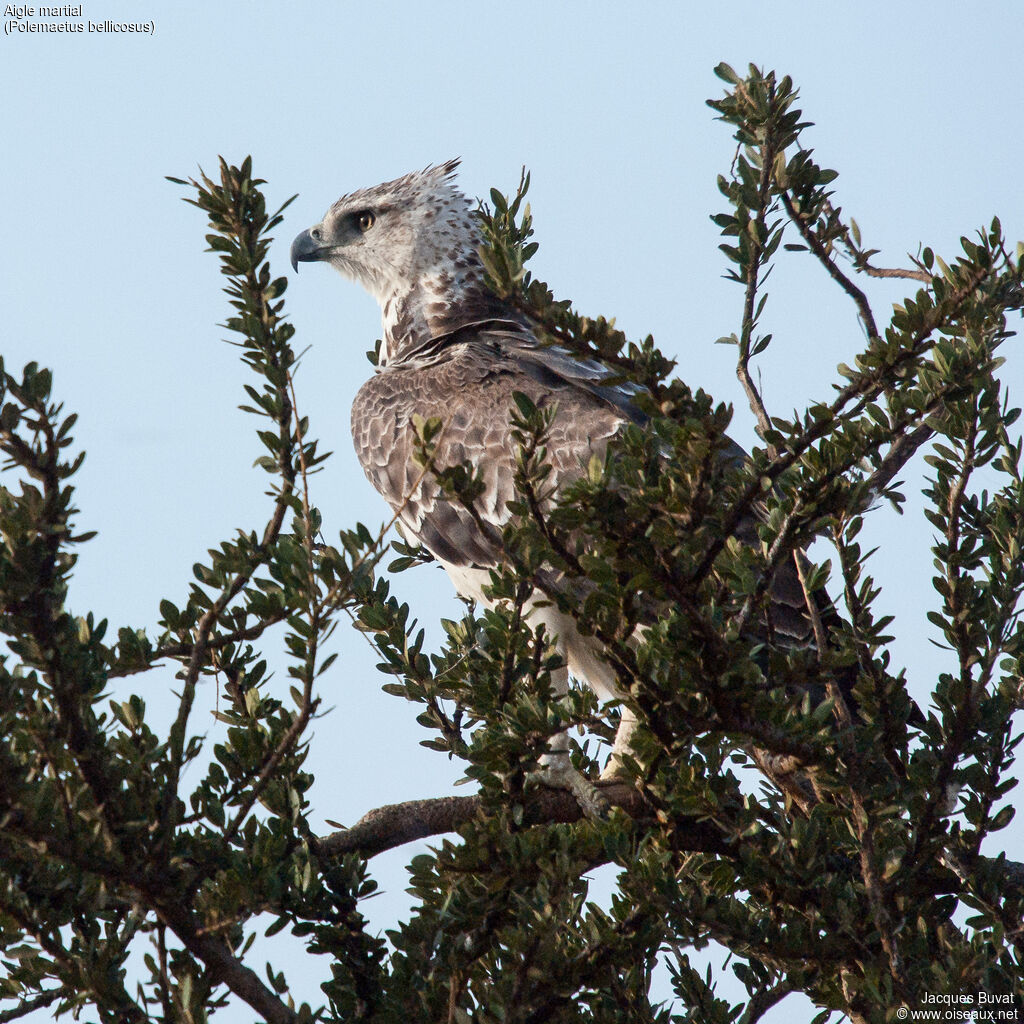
<point x="918" y="105"/>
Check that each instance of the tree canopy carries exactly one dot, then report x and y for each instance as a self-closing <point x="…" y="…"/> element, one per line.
<point x="863" y="870"/>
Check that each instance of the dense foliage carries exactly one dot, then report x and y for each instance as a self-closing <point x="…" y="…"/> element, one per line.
<point x="864" y="871"/>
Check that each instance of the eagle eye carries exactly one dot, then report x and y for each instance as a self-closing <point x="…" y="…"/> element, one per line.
<point x="365" y="220"/>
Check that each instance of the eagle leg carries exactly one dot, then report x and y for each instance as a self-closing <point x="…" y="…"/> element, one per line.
<point x="557" y="772"/>
<point x="615" y="770"/>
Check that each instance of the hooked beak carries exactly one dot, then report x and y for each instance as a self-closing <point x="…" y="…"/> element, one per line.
<point x="305" y="249"/>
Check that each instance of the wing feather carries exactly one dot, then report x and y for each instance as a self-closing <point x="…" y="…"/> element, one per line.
<point x="471" y="390"/>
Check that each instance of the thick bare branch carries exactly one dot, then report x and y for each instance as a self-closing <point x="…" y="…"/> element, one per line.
<point x="393" y="825"/>
<point x="224" y="967"/>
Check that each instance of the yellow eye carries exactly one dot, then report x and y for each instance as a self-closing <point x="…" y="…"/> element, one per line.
<point x="365" y="220"/>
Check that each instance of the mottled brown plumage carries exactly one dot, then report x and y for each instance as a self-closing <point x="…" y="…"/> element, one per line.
<point x="469" y="387"/>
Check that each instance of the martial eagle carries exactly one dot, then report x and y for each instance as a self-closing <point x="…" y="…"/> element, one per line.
<point x="452" y="349"/>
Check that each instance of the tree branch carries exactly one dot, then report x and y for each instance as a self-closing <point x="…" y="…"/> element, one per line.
<point x="224" y="967"/>
<point x="814" y="244"/>
<point x="912" y="275"/>
<point x="393" y="825"/>
<point x="28" y="1005"/>
<point x="763" y="1001"/>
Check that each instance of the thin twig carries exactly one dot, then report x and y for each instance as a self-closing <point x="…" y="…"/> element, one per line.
<point x="166" y="999"/>
<point x="315" y="611"/>
<point x="814" y="244"/>
<point x="862" y="264"/>
<point x="813" y="612"/>
<point x="750" y="292"/>
<point x="912" y="275"/>
<point x="112" y="991"/>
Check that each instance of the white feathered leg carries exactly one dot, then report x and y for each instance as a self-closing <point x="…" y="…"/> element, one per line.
<point x="557" y="770"/>
<point x="615" y="769"/>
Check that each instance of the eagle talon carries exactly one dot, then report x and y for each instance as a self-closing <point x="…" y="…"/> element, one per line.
<point x="588" y="797"/>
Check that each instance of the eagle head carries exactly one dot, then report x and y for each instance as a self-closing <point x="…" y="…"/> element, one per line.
<point x="399" y="236"/>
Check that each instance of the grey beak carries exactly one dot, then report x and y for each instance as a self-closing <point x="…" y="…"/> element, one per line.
<point x="305" y="249"/>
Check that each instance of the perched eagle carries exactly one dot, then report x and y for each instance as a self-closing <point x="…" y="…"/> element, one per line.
<point x="452" y="349"/>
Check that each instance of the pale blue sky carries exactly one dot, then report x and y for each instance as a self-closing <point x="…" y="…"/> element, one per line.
<point x="918" y="105"/>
